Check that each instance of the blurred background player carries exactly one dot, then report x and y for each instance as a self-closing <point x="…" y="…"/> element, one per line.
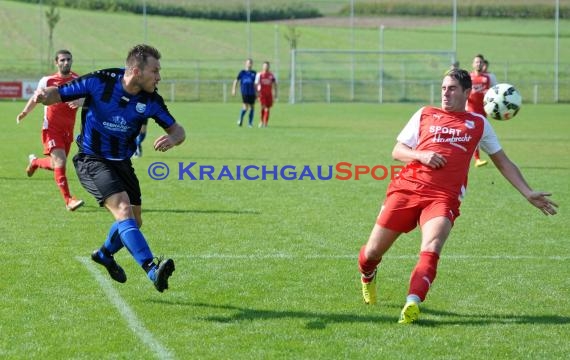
<point x="57" y="129"/>
<point x="140" y="138"/>
<point x="266" y="86"/>
<point x="454" y="65"/>
<point x="491" y="75"/>
<point x="246" y="78"/>
<point x="481" y="82"/>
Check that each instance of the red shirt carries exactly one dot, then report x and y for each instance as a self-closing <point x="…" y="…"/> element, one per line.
<point x="481" y="83"/>
<point x="454" y="135"/>
<point x="265" y="81"/>
<point x="58" y="116"/>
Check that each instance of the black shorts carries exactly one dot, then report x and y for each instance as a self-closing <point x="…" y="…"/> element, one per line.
<point x="248" y="99"/>
<point x="103" y="178"/>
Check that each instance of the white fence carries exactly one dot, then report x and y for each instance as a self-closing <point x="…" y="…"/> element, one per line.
<point x="427" y="92"/>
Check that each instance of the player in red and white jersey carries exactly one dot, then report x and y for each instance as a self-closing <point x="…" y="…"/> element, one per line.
<point x="481" y="82"/>
<point x="266" y="86"/>
<point x="492" y="76"/>
<point x="433" y="129"/>
<point x="437" y="145"/>
<point x="57" y="129"/>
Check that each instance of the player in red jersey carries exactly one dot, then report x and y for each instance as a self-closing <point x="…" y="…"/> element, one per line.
<point x="481" y="83"/>
<point x="266" y="86"/>
<point x="490" y="74"/>
<point x="57" y="129"/>
<point x="437" y="145"/>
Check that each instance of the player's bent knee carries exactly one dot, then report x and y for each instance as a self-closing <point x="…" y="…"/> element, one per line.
<point x="119" y="205"/>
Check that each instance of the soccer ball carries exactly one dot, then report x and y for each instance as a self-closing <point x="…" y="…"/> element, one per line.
<point x="502" y="102"/>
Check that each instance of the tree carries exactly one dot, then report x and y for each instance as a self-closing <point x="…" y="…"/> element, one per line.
<point x="52" y="16"/>
<point x="292" y="36"/>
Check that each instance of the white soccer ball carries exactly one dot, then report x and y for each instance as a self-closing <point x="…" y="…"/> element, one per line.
<point x="502" y="102"/>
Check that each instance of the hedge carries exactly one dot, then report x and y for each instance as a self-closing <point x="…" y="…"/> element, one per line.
<point x="231" y="11"/>
<point x="487" y="11"/>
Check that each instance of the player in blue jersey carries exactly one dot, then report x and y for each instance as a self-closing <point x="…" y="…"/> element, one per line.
<point x="246" y="78"/>
<point x="139" y="140"/>
<point x="117" y="103"/>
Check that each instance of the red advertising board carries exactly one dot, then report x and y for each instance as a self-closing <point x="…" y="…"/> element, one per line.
<point x="10" y="89"/>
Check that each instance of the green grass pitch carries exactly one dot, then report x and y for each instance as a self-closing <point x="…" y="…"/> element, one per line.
<point x="267" y="269"/>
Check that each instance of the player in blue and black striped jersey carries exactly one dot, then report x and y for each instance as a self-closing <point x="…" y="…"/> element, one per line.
<point x="117" y="103"/>
<point x="246" y="79"/>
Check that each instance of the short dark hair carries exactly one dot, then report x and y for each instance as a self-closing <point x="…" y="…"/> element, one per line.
<point x="139" y="54"/>
<point x="462" y="76"/>
<point x="62" y="52"/>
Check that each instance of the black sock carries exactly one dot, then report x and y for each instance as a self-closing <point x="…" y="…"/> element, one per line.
<point x="148" y="265"/>
<point x="106" y="252"/>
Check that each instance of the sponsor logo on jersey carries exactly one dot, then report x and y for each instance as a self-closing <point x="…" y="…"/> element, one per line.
<point x="452" y="136"/>
<point x="117" y="123"/>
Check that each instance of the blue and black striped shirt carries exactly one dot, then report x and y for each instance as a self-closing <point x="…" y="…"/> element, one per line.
<point x="111" y="118"/>
<point x="246" y="80"/>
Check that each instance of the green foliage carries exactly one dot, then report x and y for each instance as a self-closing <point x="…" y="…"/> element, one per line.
<point x="496" y="10"/>
<point x="292" y="36"/>
<point x="52" y="18"/>
<point x="232" y="11"/>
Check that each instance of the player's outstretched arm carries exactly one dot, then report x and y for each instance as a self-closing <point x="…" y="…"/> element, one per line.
<point x="30" y="105"/>
<point x="511" y="172"/>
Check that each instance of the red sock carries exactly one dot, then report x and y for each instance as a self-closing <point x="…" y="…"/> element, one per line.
<point x="262" y="115"/>
<point x="266" y="117"/>
<point x="423" y="274"/>
<point x="366" y="266"/>
<point x="476" y="155"/>
<point x="43" y="163"/>
<point x="61" y="181"/>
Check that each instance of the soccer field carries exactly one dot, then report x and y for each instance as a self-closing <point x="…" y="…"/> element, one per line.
<point x="267" y="269"/>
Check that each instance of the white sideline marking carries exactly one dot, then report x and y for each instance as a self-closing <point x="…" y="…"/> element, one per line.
<point x="126" y="312"/>
<point x="355" y="256"/>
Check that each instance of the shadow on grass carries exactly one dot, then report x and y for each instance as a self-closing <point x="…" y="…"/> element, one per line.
<point x="94" y="207"/>
<point x="538" y="167"/>
<point x="452" y="318"/>
<point x="197" y="211"/>
<point x="316" y="320"/>
<point x="25" y="178"/>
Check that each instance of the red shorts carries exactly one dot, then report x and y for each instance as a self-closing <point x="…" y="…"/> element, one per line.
<point x="266" y="100"/>
<point x="407" y="206"/>
<point x="52" y="139"/>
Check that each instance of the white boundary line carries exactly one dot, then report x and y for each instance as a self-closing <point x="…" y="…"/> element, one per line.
<point x="135" y="325"/>
<point x="278" y="256"/>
